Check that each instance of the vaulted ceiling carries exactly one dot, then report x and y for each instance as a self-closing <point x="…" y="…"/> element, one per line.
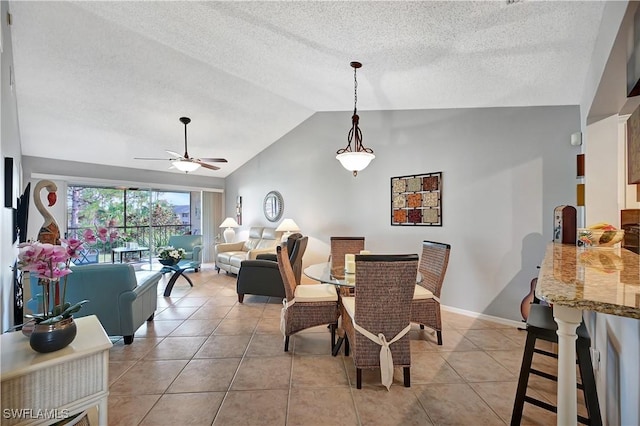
<point x="104" y="82"/>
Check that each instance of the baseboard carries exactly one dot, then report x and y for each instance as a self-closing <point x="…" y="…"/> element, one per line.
<point x="477" y="315"/>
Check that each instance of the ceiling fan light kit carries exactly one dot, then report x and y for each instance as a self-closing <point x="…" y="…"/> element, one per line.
<point x="358" y="157"/>
<point x="187" y="164"/>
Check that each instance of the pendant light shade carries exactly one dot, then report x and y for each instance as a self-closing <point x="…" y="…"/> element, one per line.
<point x="355" y="158"/>
<point x="355" y="161"/>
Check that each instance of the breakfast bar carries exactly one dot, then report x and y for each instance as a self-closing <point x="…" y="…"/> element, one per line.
<point x="576" y="279"/>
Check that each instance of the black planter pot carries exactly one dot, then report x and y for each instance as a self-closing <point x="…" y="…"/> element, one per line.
<point x="168" y="262"/>
<point x="52" y="337"/>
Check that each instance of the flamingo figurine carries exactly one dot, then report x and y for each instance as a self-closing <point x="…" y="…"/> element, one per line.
<point x="49" y="231"/>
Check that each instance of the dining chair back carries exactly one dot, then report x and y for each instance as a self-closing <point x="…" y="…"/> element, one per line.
<point x="341" y="246"/>
<point x="297" y="250"/>
<point x="381" y="306"/>
<point x="425" y="307"/>
<point x="305" y="305"/>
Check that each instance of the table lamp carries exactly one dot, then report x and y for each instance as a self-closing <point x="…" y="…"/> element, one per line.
<point x="288" y="226"/>
<point x="229" y="234"/>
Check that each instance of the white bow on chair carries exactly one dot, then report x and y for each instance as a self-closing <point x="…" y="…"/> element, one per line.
<point x="386" y="359"/>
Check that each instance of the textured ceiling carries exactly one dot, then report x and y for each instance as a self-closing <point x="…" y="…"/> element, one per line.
<point x="103" y="82"/>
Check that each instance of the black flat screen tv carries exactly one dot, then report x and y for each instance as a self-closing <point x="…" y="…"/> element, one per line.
<point x="22" y="214"/>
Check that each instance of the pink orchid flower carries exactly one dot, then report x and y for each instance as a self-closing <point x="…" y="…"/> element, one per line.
<point x="89" y="236"/>
<point x="102" y="234"/>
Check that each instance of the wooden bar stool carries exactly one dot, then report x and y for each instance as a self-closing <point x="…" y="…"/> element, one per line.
<point x="541" y="325"/>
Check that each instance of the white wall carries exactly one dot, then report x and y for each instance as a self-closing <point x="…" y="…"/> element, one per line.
<point x="9" y="147"/>
<point x="601" y="178"/>
<point x="504" y="171"/>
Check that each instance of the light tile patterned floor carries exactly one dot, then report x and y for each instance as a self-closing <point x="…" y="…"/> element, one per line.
<point x="207" y="359"/>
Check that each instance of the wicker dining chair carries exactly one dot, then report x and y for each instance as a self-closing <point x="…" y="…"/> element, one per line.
<point x="305" y="305"/>
<point x="384" y="289"/>
<point x="425" y="306"/>
<point x="341" y="246"/>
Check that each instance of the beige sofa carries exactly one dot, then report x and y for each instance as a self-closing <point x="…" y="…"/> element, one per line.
<point x="229" y="256"/>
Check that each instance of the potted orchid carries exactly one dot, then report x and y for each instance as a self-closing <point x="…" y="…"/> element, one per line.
<point x="53" y="328"/>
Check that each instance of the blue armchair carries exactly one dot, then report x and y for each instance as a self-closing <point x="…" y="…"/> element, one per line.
<point x="192" y="244"/>
<point x="121" y="298"/>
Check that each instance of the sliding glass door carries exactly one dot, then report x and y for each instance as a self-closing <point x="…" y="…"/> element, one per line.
<point x="139" y="216"/>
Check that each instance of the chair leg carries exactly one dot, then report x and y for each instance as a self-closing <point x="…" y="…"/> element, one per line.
<point x="439" y="334"/>
<point x="286" y="344"/>
<point x="240" y="297"/>
<point x="407" y="376"/>
<point x="588" y="382"/>
<point x="128" y="340"/>
<point x="151" y="317"/>
<point x="421" y="326"/>
<point x="358" y="377"/>
<point x="346" y="346"/>
<point x="333" y="336"/>
<point x="527" y="357"/>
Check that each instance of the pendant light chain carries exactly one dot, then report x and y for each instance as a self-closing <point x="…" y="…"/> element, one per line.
<point x="355" y="91"/>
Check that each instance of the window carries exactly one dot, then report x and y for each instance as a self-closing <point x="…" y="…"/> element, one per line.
<point x="146" y="217"/>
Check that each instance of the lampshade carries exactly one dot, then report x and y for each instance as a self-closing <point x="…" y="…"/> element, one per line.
<point x="229" y="234"/>
<point x="355" y="161"/>
<point x="185" y="166"/>
<point x="229" y="223"/>
<point x="287" y="225"/>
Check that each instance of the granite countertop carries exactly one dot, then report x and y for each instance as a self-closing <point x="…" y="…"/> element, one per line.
<point x="595" y="279"/>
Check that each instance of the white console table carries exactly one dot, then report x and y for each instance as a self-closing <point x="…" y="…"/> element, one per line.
<point x="40" y="389"/>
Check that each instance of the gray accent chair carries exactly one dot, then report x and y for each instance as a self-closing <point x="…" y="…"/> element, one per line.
<point x="262" y="276"/>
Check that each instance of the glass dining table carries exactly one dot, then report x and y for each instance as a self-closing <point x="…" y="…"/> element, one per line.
<point x="322" y="272"/>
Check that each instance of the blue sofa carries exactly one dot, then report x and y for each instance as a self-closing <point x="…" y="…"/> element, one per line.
<point x="121" y="298"/>
<point x="192" y="244"/>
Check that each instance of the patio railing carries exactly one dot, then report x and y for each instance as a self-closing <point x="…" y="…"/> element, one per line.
<point x="154" y="236"/>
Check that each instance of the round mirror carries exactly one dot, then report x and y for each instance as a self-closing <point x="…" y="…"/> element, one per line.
<point x="273" y="206"/>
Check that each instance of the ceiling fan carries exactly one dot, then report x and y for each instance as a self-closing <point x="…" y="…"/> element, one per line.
<point x="185" y="163"/>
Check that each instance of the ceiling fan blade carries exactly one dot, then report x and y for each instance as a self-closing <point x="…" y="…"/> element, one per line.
<point x="147" y="158"/>
<point x="207" y="166"/>
<point x="175" y="154"/>
<point x="213" y="160"/>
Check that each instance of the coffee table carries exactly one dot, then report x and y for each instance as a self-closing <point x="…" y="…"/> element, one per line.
<point x="177" y="270"/>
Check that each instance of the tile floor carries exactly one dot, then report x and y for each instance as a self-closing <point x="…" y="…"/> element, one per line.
<point x="207" y="359"/>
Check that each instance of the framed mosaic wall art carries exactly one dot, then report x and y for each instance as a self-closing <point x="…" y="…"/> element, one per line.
<point x="417" y="200"/>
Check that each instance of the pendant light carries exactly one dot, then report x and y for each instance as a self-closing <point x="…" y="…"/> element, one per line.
<point x="358" y="157"/>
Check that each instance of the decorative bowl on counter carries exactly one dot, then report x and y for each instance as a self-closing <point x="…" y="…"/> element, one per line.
<point x="600" y="237"/>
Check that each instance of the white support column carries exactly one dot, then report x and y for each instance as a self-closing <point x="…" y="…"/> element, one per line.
<point x="568" y="320"/>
